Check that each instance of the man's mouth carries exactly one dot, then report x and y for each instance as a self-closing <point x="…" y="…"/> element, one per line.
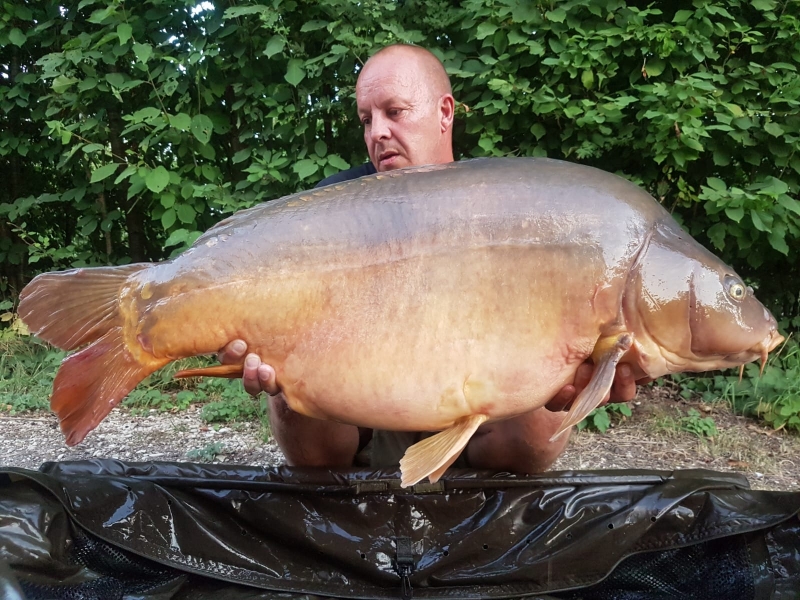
<point x="386" y="158"/>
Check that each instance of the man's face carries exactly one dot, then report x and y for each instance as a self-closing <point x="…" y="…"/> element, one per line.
<point x="400" y="114"/>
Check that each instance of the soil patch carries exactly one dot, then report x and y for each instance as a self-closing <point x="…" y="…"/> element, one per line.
<point x="651" y="439"/>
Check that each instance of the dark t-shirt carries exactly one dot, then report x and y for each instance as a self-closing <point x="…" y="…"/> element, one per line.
<point x="354" y="173"/>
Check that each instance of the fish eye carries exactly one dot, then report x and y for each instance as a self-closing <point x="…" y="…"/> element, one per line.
<point x="735" y="288"/>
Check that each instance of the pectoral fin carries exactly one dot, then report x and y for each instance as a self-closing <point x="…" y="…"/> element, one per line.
<point x="431" y="456"/>
<point x="607" y="353"/>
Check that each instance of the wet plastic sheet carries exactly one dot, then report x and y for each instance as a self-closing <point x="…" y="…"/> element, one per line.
<point x="108" y="529"/>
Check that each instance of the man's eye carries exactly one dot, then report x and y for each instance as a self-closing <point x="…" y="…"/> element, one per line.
<point x="365" y="122"/>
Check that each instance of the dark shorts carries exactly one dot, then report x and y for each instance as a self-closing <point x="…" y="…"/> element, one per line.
<point x="386" y="448"/>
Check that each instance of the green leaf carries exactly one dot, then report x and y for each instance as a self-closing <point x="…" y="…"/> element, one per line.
<point x="202" y="128"/>
<point x="181" y="121"/>
<point x="176" y="237"/>
<point x="338" y="162"/>
<point x="89" y="148"/>
<point x="773" y="129"/>
<point x="275" y="45"/>
<point x="757" y="221"/>
<point x="145" y="114"/>
<point x="89" y="227"/>
<point x="557" y="15"/>
<point x="115" y="79"/>
<point x="485" y="29"/>
<point x="305" y="168"/>
<point x="500" y="42"/>
<point x="167" y="200"/>
<point x="734" y="213"/>
<point x="777" y="241"/>
<point x="168" y="218"/>
<point x="682" y="16"/>
<point x="538" y="130"/>
<point x="143" y="52"/>
<point x="186" y="213"/>
<point x="601" y="420"/>
<point x="101" y="14"/>
<point x="62" y="83"/>
<point x="103" y="172"/>
<point x="241" y="156"/>
<point x="126" y="172"/>
<point x="16" y="37"/>
<point x="654" y="67"/>
<point x="716" y="233"/>
<point x="692" y="143"/>
<point x="764" y="5"/>
<point x="124" y="32"/>
<point x="789" y="203"/>
<point x="157" y="179"/>
<point x="239" y="11"/>
<point x="772" y="186"/>
<point x="320" y="148"/>
<point x="716" y="184"/>
<point x="295" y="73"/>
<point x="313" y="26"/>
<point x="587" y="79"/>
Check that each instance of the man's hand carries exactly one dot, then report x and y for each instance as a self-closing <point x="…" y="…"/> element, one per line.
<point x="623" y="389"/>
<point x="258" y="377"/>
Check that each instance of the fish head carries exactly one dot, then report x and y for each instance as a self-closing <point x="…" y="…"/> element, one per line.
<point x="693" y="312"/>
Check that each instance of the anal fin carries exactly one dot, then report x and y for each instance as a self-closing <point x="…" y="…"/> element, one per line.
<point x="431" y="456"/>
<point x="607" y="353"/>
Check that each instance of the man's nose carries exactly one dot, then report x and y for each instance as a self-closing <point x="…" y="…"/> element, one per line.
<point x="379" y="128"/>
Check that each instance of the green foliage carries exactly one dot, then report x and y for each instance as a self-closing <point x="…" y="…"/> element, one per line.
<point x="207" y="453"/>
<point x="238" y="406"/>
<point x="27" y="370"/>
<point x="699" y="426"/>
<point x="600" y="418"/>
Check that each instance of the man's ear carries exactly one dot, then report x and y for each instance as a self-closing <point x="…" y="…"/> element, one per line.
<point x="447" y="110"/>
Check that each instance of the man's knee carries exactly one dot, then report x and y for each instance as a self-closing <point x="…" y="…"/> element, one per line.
<point x="520" y="445"/>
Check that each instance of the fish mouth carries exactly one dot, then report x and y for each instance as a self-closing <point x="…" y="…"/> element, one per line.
<point x="762" y="349"/>
<point x="767" y="345"/>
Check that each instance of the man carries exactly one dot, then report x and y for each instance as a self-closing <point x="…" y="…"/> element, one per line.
<point x="406" y="108"/>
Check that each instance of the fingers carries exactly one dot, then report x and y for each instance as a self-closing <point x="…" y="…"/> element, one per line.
<point x="258" y="377"/>
<point x="622" y="390"/>
<point x="568" y="393"/>
<point x="624" y="387"/>
<point x="562" y="399"/>
<point x="232" y="353"/>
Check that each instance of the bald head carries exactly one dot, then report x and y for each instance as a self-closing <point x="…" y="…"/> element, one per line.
<point x="421" y="61"/>
<point x="406" y="106"/>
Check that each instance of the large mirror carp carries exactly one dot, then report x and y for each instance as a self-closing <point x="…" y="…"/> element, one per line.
<point x="427" y="299"/>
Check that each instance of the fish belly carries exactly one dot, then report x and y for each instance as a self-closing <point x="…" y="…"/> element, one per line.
<point x="418" y="344"/>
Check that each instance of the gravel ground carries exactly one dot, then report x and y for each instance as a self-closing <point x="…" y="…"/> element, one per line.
<point x="648" y="440"/>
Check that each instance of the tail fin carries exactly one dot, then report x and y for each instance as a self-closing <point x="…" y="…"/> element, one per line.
<point x="70" y="309"/>
<point x="93" y="381"/>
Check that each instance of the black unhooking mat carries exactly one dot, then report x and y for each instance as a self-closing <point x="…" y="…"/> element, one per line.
<point x="105" y="529"/>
